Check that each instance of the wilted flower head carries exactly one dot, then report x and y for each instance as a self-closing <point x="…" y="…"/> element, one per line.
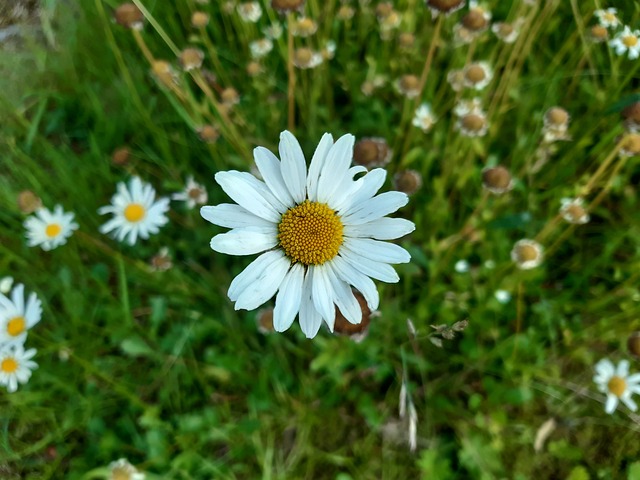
<point x="507" y="32"/>
<point x="129" y="15"/>
<point x="304" y="27"/>
<point x="273" y="31"/>
<point x="260" y="48"/>
<point x="161" y="261"/>
<point x="456" y="79"/>
<point x="477" y="75"/>
<point x="527" y="254"/>
<point x="304" y="58"/>
<point x="573" y="211"/>
<point x="556" y="124"/>
<point x="617" y="384"/>
<point x="191" y="58"/>
<point x="407" y="181"/>
<point x="424" y="118"/>
<point x="208" y="133"/>
<point x="199" y="19"/>
<point x="631" y="144"/>
<point x="497" y="179"/>
<point x="474" y="124"/>
<point x="164" y="73"/>
<point x="445" y="7"/>
<point x="284" y="6"/>
<point x="598" y="34"/>
<point x="357" y="332"/>
<point x="345" y="12"/>
<point x="631" y="117"/>
<point x="465" y="106"/>
<point x="229" y="96"/>
<point x="250" y="11"/>
<point x="28" y="202"/>
<point x="193" y="193"/>
<point x="372" y="152"/>
<point x="408" y="85"/>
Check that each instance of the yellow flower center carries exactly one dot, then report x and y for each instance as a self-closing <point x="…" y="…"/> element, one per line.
<point x="134" y="212"/>
<point x="609" y="17"/>
<point x="617" y="386"/>
<point x="310" y="233"/>
<point x="9" y="365"/>
<point x="52" y="230"/>
<point x="16" y="326"/>
<point x="630" y="41"/>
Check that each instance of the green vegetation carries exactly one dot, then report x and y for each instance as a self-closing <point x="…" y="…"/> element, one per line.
<point x="158" y="367"/>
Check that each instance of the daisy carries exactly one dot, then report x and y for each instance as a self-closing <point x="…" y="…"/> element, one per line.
<point x="527" y="254"/>
<point x="627" y="41"/>
<point x="250" y="11"/>
<point x="573" y="211"/>
<point x="424" y="118"/>
<point x="193" y="193"/>
<point x="122" y="470"/>
<point x="617" y="384"/>
<point x="16" y="365"/>
<point x="260" y="48"/>
<point x="507" y="32"/>
<point x="608" y="18"/>
<point x="135" y="211"/>
<point x="304" y="58"/>
<point x="317" y="231"/>
<point x="49" y="229"/>
<point x="18" y="316"/>
<point x="477" y="75"/>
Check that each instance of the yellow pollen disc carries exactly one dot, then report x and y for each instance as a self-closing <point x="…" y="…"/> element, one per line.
<point x="8" y="365"/>
<point x="617" y="386"/>
<point x="52" y="230"/>
<point x="134" y="212"/>
<point x="16" y="326"/>
<point x="630" y="41"/>
<point x="609" y="17"/>
<point x="310" y="233"/>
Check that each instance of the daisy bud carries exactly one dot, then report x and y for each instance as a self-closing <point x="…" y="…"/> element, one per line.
<point x="356" y="331"/>
<point x="264" y="321"/>
<point x="573" y="211"/>
<point x="408" y="86"/>
<point x="633" y="344"/>
<point x="129" y="16"/>
<point x="191" y="58"/>
<point x="199" y="19"/>
<point x="28" y="202"/>
<point x="497" y="179"/>
<point x="285" y="6"/>
<point x="527" y="254"/>
<point x="407" y="181"/>
<point x="121" y="156"/>
<point x="372" y="152"/>
<point x="208" y="133"/>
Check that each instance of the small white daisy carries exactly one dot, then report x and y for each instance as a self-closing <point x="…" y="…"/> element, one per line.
<point x="317" y="230"/>
<point x="135" y="211"/>
<point x="527" y="254"/>
<point x="250" y="11"/>
<point x="18" y="316"/>
<point x="49" y="229"/>
<point x="573" y="211"/>
<point x="122" y="470"/>
<point x="260" y="48"/>
<point x="617" y="384"/>
<point x="608" y="17"/>
<point x="193" y="193"/>
<point x="273" y="31"/>
<point x="15" y="365"/>
<point x="477" y="75"/>
<point x="627" y="41"/>
<point x="424" y="118"/>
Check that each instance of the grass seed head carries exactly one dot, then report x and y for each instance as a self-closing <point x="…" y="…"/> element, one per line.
<point x="28" y="202"/>
<point x="372" y="152"/>
<point x="129" y="16"/>
<point x="497" y="179"/>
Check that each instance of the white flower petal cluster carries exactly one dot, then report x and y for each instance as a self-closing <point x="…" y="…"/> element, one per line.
<point x="627" y="41"/>
<point x="136" y="212"/>
<point x="49" y="229"/>
<point x="319" y="231"/>
<point x="617" y="384"/>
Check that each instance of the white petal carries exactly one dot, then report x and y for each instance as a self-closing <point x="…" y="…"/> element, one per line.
<point x="317" y="164"/>
<point x="346" y="187"/>
<point x="271" y="171"/>
<point x="628" y="401"/>
<point x="344" y="298"/>
<point x="376" y="207"/>
<point x="359" y="280"/>
<point x="380" y="271"/>
<point x="382" y="229"/>
<point x="265" y="285"/>
<point x="246" y="241"/>
<point x="251" y="193"/>
<point x="612" y="403"/>
<point x="323" y="295"/>
<point x="288" y="299"/>
<point x="362" y="190"/>
<point x="377" y="251"/>
<point x="17" y="296"/>
<point x="605" y="368"/>
<point x="294" y="166"/>
<point x="255" y="270"/>
<point x="231" y="215"/>
<point x="336" y="166"/>
<point x="310" y="319"/>
<point x="623" y="368"/>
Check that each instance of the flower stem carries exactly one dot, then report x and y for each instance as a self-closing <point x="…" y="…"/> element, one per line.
<point x="292" y="74"/>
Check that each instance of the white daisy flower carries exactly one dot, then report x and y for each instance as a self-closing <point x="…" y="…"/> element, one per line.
<point x="18" y="316"/>
<point x="527" y="254"/>
<point x="49" y="229"/>
<point x="424" y="118"/>
<point x="627" y="41"/>
<point x="15" y="365"/>
<point x="617" y="384"/>
<point x="260" y="48"/>
<point x="273" y="31"/>
<point x="318" y="232"/>
<point x="608" y="17"/>
<point x="193" y="193"/>
<point x="573" y="211"/>
<point x="135" y="211"/>
<point x="250" y="11"/>
<point x="122" y="470"/>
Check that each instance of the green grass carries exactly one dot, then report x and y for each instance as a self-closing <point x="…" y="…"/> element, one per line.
<point x="163" y="371"/>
